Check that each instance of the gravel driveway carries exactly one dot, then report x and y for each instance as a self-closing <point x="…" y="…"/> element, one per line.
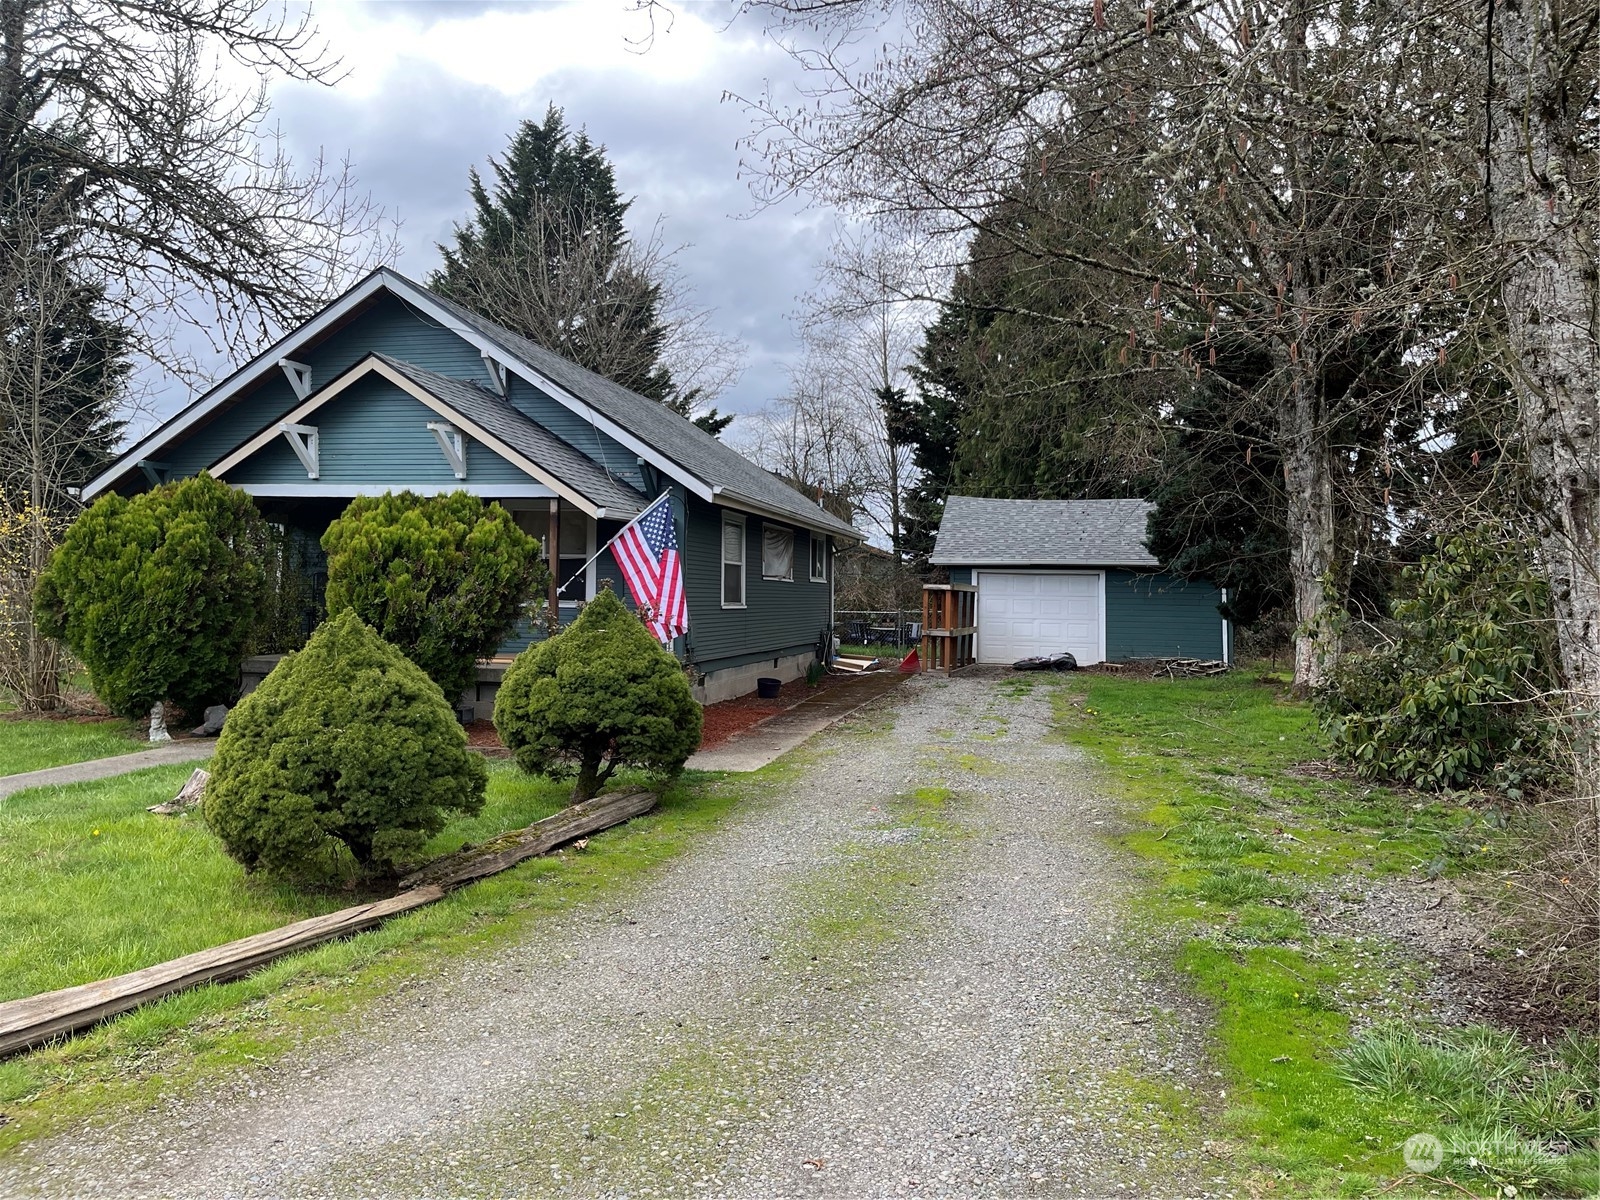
<point x="910" y="965"/>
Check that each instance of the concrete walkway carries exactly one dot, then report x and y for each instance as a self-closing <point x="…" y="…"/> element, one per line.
<point x="777" y="735"/>
<point x="105" y="768"/>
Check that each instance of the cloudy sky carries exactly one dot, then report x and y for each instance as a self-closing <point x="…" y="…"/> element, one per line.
<point x="434" y="88"/>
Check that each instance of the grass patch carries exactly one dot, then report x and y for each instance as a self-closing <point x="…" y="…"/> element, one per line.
<point x="169" y="1045"/>
<point x="35" y="745"/>
<point x="93" y="886"/>
<point x="1235" y="834"/>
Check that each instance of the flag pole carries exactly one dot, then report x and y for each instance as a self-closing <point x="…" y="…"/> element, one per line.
<point x="611" y="539"/>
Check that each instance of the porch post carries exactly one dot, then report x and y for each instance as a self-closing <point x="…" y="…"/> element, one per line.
<point x="553" y="556"/>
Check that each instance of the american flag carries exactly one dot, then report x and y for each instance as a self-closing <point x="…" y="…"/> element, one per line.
<point x="647" y="552"/>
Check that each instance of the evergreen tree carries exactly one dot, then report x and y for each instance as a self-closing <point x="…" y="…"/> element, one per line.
<point x="546" y="255"/>
<point x="63" y="360"/>
<point x="1023" y="389"/>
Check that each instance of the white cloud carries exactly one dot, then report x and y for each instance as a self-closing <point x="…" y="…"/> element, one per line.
<point x="520" y="49"/>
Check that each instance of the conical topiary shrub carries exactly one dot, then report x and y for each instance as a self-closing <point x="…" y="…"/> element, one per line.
<point x="347" y="746"/>
<point x="601" y="694"/>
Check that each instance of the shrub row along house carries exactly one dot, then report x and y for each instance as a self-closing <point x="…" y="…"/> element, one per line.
<point x="392" y="387"/>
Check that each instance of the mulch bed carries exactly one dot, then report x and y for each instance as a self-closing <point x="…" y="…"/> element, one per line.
<point x="723" y="721"/>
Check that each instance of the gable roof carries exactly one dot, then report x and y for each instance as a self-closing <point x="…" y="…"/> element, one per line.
<point x="1043" y="533"/>
<point x="480" y="406"/>
<point x="732" y="477"/>
<point x="674" y="445"/>
<point x="481" y="415"/>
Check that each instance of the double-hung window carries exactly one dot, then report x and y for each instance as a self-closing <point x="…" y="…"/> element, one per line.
<point x="732" y="562"/>
<point x="819" y="558"/>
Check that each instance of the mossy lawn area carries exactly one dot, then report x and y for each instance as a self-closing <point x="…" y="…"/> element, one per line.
<point x="35" y="745"/>
<point x="1236" y="839"/>
<point x="93" y="885"/>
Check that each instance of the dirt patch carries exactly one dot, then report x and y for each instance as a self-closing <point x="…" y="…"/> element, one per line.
<point x="1443" y="926"/>
<point x="727" y="719"/>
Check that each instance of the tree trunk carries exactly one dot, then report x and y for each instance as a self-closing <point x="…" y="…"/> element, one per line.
<point x="1308" y="486"/>
<point x="1543" y="227"/>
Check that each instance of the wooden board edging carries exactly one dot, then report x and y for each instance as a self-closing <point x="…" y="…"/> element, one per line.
<point x="33" y="1020"/>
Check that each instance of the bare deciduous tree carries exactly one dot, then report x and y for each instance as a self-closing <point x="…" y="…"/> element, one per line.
<point x="150" y="122"/>
<point x="1311" y="169"/>
<point x="862" y="325"/>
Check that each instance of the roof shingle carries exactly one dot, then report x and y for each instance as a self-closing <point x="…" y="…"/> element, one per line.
<point x="680" y="440"/>
<point x="496" y="416"/>
<point x="1043" y="533"/>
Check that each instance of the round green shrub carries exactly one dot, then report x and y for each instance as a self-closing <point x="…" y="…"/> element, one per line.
<point x="345" y="746"/>
<point x="601" y="694"/>
<point x="157" y="595"/>
<point x="442" y="577"/>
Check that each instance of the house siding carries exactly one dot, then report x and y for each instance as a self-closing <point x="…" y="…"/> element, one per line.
<point x="780" y="618"/>
<point x="373" y="433"/>
<point x="575" y="430"/>
<point x="388" y="327"/>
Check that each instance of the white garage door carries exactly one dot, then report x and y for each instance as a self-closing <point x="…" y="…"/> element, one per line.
<point x="1021" y="615"/>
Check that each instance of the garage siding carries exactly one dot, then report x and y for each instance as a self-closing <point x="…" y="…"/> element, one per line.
<point x="1148" y="614"/>
<point x="1155" y="615"/>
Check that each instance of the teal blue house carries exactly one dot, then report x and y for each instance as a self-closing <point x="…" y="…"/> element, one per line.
<point x="1075" y="576"/>
<point x="392" y="387"/>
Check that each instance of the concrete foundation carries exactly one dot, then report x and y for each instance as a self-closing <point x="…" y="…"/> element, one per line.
<point x="731" y="682"/>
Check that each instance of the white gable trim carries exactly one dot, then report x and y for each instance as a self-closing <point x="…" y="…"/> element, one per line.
<point x="263" y="364"/>
<point x="420" y="298"/>
<point x="375" y="366"/>
<point x="305" y="442"/>
<point x="299" y="377"/>
<point x="452" y="444"/>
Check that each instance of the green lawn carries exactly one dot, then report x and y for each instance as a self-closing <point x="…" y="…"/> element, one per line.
<point x="1235" y="839"/>
<point x="91" y="884"/>
<point x="34" y="745"/>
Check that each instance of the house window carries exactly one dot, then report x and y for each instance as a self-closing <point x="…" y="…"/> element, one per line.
<point x="574" y="544"/>
<point x="819" y="558"/>
<point x="777" y="553"/>
<point x="732" y="562"/>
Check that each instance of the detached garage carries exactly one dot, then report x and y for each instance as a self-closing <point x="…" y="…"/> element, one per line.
<point x="1074" y="575"/>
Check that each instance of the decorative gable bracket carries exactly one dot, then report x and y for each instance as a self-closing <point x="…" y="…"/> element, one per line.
<point x="497" y="375"/>
<point x="299" y="376"/>
<point x="452" y="444"/>
<point x="303" y="441"/>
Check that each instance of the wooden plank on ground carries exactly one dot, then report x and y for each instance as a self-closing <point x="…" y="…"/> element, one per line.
<point x="37" y="1019"/>
<point x="582" y="819"/>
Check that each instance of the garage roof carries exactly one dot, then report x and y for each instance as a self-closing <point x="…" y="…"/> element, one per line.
<point x="1043" y="533"/>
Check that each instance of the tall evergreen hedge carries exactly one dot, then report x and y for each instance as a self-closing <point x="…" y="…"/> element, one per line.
<point x="157" y="594"/>
<point x="443" y="578"/>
